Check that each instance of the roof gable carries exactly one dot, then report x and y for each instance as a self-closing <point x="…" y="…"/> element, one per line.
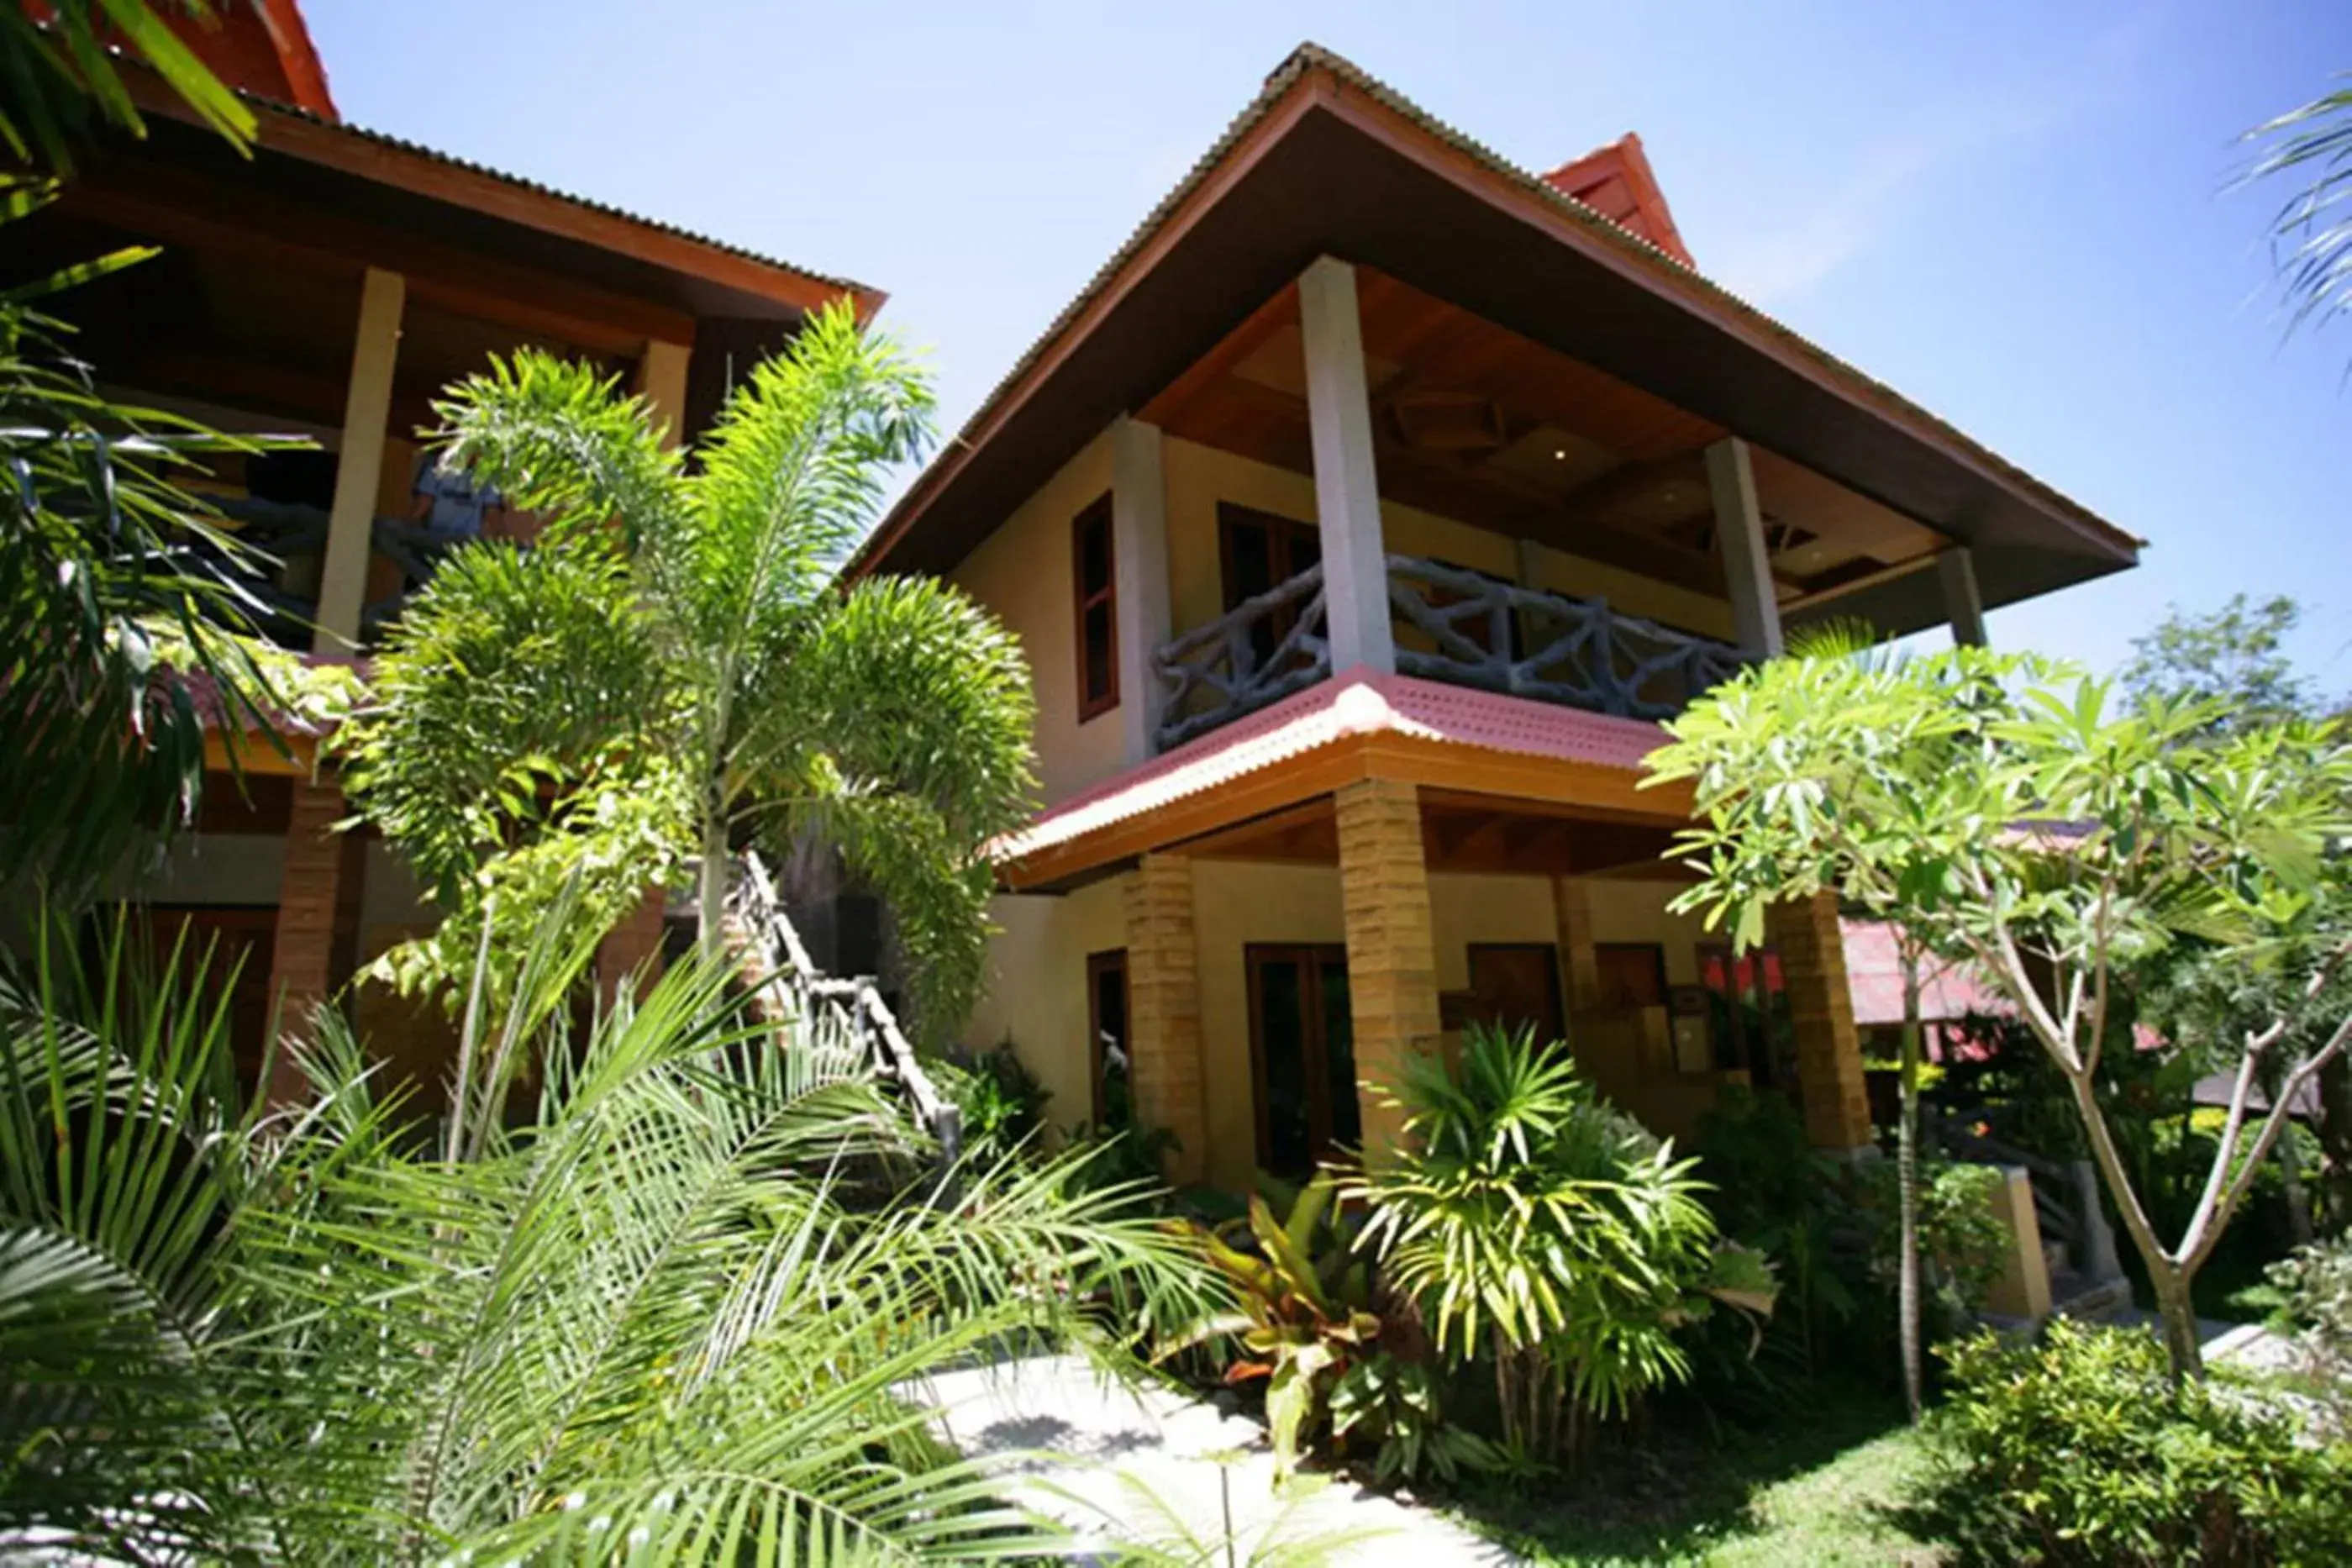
<point x="1616" y="182"/>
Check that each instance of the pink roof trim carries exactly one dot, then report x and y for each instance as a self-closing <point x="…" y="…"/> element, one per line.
<point x="1358" y="703"/>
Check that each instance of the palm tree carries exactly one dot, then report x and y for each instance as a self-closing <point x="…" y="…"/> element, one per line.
<point x="621" y="1313"/>
<point x="673" y="666"/>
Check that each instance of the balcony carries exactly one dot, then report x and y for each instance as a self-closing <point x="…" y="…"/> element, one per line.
<point x="1450" y="625"/>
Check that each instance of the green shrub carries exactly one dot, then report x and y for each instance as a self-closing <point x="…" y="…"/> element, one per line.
<point x="1961" y="1241"/>
<point x="1002" y="1104"/>
<point x="2080" y="1450"/>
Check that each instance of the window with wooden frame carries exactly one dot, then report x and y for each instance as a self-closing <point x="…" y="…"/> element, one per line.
<point x="1260" y="551"/>
<point x="1093" y="566"/>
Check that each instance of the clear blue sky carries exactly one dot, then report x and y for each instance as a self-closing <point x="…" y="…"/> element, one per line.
<point x="2014" y="211"/>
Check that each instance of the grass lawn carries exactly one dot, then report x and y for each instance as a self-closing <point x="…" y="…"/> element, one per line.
<point x="1820" y="1488"/>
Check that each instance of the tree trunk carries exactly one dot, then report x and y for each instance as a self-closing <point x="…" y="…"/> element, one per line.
<point x="2167" y="1280"/>
<point x="2298" y="1195"/>
<point x="711" y="881"/>
<point x="2171" y="1284"/>
<point x="1907" y="1180"/>
<point x="2336" y="1143"/>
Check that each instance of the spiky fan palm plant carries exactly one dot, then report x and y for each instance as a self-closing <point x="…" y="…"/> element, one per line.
<point x="674" y="657"/>
<point x="1533" y="1222"/>
<point x="632" y="1320"/>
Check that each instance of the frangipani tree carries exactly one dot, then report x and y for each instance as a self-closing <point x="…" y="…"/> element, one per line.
<point x="672" y="668"/>
<point x="2008" y="813"/>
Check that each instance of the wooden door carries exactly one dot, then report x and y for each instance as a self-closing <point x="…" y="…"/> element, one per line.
<point x="1516" y="985"/>
<point x="1302" y="1057"/>
<point x="1106" y="1035"/>
<point x="1632" y="973"/>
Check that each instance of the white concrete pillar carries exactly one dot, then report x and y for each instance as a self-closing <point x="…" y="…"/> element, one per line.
<point x="1139" y="526"/>
<point x="358" y="463"/>
<point x="1347" y="488"/>
<point x="661" y="382"/>
<point x="1963" y="605"/>
<point x="1747" y="560"/>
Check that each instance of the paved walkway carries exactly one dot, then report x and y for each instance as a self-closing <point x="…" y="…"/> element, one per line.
<point x="1149" y="1466"/>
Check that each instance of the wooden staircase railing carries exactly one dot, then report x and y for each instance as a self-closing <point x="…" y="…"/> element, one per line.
<point x="848" y="1008"/>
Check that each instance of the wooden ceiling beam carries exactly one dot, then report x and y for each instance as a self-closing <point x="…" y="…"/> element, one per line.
<point x="206" y="215"/>
<point x="241" y="380"/>
<point x="1173" y="401"/>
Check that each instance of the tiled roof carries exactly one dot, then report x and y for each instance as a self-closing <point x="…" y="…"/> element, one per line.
<point x="1355" y="704"/>
<point x="433" y="154"/>
<point x="1874" y="971"/>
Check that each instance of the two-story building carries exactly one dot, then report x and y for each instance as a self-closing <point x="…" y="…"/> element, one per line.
<point x="1360" y="520"/>
<point x="328" y="287"/>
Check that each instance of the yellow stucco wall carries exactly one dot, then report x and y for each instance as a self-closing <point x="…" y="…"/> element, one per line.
<point x="1022" y="573"/>
<point x="1037" y="993"/>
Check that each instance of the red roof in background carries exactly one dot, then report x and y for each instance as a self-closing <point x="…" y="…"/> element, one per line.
<point x="1616" y="182"/>
<point x="1355" y="704"/>
<point x="1874" y="975"/>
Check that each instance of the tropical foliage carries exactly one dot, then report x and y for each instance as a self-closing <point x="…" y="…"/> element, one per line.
<point x="670" y="668"/>
<point x="1535" y="1224"/>
<point x="623" y="1310"/>
<point x="2010" y="812"/>
<point x="110" y="571"/>
<point x="2082" y="1450"/>
<point x="1303" y="1309"/>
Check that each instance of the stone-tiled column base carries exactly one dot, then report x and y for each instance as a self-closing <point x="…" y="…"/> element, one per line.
<point x="633" y="947"/>
<point x="1163" y="1010"/>
<point x="1829" y="1048"/>
<point x="316" y="945"/>
<point x="1392" y="954"/>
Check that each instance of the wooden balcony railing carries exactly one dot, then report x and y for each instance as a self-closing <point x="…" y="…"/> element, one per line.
<point x="1527" y="643"/>
<point x="1472" y="630"/>
<point x="1260" y="651"/>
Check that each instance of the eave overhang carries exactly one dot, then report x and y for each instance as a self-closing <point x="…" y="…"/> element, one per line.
<point x="1328" y="161"/>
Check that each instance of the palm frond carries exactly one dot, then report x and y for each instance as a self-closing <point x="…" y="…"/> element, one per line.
<point x="2311" y="234"/>
<point x="60" y="78"/>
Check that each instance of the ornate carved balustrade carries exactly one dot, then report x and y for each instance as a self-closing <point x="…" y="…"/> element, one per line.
<point x="1527" y="643"/>
<point x="1472" y="630"/>
<point x="1260" y="651"/>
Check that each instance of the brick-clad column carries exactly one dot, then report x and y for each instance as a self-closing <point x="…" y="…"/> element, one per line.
<point x="633" y="946"/>
<point x="1163" y="1010"/>
<point x="1829" y="1048"/>
<point x="1392" y="954"/>
<point x="316" y="944"/>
